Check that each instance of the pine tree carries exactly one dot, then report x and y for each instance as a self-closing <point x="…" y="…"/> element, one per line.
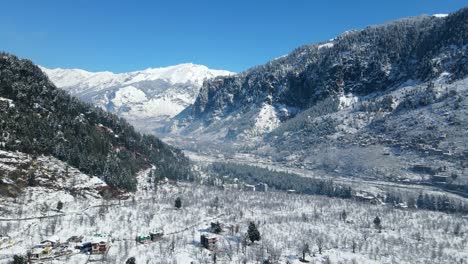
<point x="378" y="223"/>
<point x="59" y="205"/>
<point x="178" y="203"/>
<point x="343" y="216"/>
<point x="131" y="261"/>
<point x="253" y="233"/>
<point x="19" y="259"/>
<point x="420" y="202"/>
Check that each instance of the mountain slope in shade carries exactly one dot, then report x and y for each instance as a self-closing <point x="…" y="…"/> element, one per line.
<point x="37" y="119"/>
<point x="146" y="98"/>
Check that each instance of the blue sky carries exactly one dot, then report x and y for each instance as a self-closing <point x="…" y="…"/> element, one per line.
<point x="122" y="36"/>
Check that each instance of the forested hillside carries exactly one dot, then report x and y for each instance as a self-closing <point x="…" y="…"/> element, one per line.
<point x="359" y="62"/>
<point x="37" y="118"/>
<point x="355" y="64"/>
<point x="370" y="103"/>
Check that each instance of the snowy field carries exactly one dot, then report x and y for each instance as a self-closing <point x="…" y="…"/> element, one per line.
<point x="286" y="223"/>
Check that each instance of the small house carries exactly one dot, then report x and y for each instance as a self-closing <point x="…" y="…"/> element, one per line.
<point x="143" y="239"/>
<point x="208" y="241"/>
<point x="440" y="178"/>
<point x="261" y="187"/>
<point x="249" y="187"/>
<point x="84" y="247"/>
<point x="39" y="252"/>
<point x="367" y="197"/>
<point x="99" y="244"/>
<point x="75" y="239"/>
<point x="422" y="168"/>
<point x="155" y="236"/>
<point x="50" y="242"/>
<point x="100" y="247"/>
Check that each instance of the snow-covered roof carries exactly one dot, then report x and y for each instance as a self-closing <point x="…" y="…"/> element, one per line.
<point x="97" y="238"/>
<point x="36" y="250"/>
<point x="51" y="239"/>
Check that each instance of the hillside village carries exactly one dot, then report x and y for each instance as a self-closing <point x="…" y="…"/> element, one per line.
<point x="211" y="224"/>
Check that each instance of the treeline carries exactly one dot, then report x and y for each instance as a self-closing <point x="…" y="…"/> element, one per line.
<point x="426" y="201"/>
<point x="222" y="173"/>
<point x="228" y="172"/>
<point x="45" y="120"/>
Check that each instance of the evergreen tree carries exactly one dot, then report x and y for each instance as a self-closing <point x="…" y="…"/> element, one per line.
<point x="378" y="223"/>
<point x="59" y="205"/>
<point x="19" y="260"/>
<point x="253" y="233"/>
<point x="131" y="261"/>
<point x="178" y="203"/>
<point x="343" y="216"/>
<point x="216" y="228"/>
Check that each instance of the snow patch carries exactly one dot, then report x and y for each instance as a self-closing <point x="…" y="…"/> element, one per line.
<point x="326" y="45"/>
<point x="347" y="100"/>
<point x="266" y="121"/>
<point x="129" y="94"/>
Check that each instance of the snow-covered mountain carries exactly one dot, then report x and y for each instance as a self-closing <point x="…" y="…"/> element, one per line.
<point x="146" y="98"/>
<point x="356" y="63"/>
<point x="392" y="94"/>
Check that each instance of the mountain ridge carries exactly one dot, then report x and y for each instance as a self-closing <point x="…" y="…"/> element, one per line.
<point x="37" y="118"/>
<point x="146" y="98"/>
<point x="393" y="94"/>
<point x="357" y="62"/>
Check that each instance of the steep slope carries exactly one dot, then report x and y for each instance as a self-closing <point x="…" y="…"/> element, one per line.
<point x="387" y="102"/>
<point x="36" y="118"/>
<point x="145" y="98"/>
<point x="356" y="63"/>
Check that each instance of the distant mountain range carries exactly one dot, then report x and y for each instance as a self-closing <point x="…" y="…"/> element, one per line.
<point x="146" y="98"/>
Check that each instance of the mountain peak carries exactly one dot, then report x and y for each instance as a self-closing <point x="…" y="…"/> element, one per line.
<point x="153" y="93"/>
<point x="180" y="73"/>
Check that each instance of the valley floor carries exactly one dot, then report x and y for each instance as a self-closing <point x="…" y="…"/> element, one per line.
<point x="286" y="222"/>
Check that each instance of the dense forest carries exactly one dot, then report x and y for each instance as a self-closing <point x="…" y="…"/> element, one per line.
<point x="37" y="118"/>
<point x="360" y="62"/>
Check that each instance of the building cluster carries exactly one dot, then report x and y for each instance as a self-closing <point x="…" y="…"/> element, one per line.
<point x="259" y="187"/>
<point x="209" y="239"/>
<point x="55" y="247"/>
<point x="438" y="175"/>
<point x="149" y="238"/>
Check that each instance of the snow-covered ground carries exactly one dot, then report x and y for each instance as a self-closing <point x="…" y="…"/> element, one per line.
<point x="285" y="221"/>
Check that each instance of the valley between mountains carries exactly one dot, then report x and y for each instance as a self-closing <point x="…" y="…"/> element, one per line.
<point x="350" y="150"/>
